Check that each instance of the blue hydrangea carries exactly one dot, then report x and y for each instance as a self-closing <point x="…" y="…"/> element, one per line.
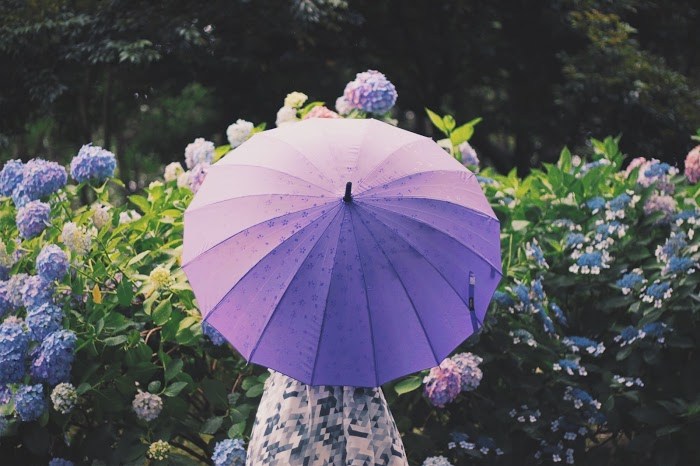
<point x="595" y="203"/>
<point x="537" y="288"/>
<point x="5" y="394"/>
<point x="32" y="218"/>
<point x="5" y="300"/>
<point x="685" y="215"/>
<point x="52" y="263"/>
<point x="580" y="398"/>
<point x="574" y="239"/>
<point x="604" y="230"/>
<point x="503" y="299"/>
<point x="10" y="176"/>
<point x="592" y="165"/>
<point x="229" y="452"/>
<point x="30" y="402"/>
<point x="657" y="169"/>
<point x="630" y="280"/>
<point x="43" y="321"/>
<point x="657" y="292"/>
<point x="578" y="344"/>
<point x="35" y="292"/>
<point x="671" y="247"/>
<point x="677" y="265"/>
<point x="485" y="180"/>
<point x="213" y="334"/>
<point x="620" y="202"/>
<point x="41" y="178"/>
<point x="523" y="294"/>
<point x="546" y="320"/>
<point x="14" y="287"/>
<point x="568" y="366"/>
<point x="558" y="314"/>
<point x="60" y="462"/>
<point x="92" y="163"/>
<point x="371" y="92"/>
<point x="628" y="335"/>
<point x="533" y="251"/>
<point x="14" y="342"/>
<point x="656" y="330"/>
<point x="52" y="362"/>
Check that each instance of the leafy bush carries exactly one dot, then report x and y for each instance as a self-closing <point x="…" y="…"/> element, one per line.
<point x="583" y="358"/>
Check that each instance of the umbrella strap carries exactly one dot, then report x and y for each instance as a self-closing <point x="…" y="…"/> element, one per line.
<point x="472" y="310"/>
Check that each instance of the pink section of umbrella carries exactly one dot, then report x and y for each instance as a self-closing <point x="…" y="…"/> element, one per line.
<point x="342" y="251"/>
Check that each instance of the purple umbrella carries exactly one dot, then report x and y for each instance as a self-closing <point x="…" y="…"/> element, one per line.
<point x="342" y="251"/>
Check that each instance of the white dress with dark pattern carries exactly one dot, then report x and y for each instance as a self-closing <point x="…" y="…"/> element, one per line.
<point x="302" y="425"/>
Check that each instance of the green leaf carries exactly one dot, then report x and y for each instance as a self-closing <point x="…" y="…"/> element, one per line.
<point x="174" y="389"/>
<point x="236" y="430"/>
<point x="125" y="293"/>
<point x="141" y="202"/>
<point x="255" y="390"/>
<point x="449" y="122"/>
<point x="173" y="369"/>
<point x="212" y="425"/>
<point x="116" y="340"/>
<point x="518" y="225"/>
<point x="154" y="387"/>
<point x="461" y="134"/>
<point x="437" y="121"/>
<point x="162" y="312"/>
<point x="408" y="385"/>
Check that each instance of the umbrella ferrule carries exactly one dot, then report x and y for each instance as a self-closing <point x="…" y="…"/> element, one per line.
<point x="348" y="189"/>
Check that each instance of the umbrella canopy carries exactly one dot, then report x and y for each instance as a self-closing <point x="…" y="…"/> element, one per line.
<point x="334" y="283"/>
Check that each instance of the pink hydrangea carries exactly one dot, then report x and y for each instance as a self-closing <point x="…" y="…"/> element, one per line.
<point x="443" y="383"/>
<point x="636" y="162"/>
<point x="661" y="203"/>
<point x="692" y="165"/>
<point x="321" y="111"/>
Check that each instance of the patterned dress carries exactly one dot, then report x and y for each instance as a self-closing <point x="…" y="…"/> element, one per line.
<point x="302" y="425"/>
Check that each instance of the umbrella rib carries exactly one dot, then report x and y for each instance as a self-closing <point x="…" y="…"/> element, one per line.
<point x="369" y="314"/>
<point x="325" y="306"/>
<point x="248" y="228"/>
<point x="440" y="231"/>
<point x="413" y="305"/>
<point x="435" y="267"/>
<point x="196" y="209"/>
<point x="278" y="171"/>
<point x="272" y="314"/>
<point x="383" y="161"/>
<point x="408" y="175"/>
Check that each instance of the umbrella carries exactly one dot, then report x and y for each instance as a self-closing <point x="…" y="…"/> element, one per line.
<point x="342" y="251"/>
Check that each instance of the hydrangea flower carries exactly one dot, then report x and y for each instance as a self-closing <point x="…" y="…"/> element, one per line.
<point x="101" y="215"/>
<point x="636" y="162"/>
<point x="5" y="300"/>
<point x="197" y="175"/>
<point x="679" y="265"/>
<point x="14" y="342"/>
<point x="213" y="334"/>
<point x="485" y="180"/>
<point x="40" y="178"/>
<point x="591" y="166"/>
<point x="558" y="314"/>
<point x="436" y="461"/>
<point x="657" y="293"/>
<point x="595" y="204"/>
<point x="620" y="202"/>
<point x="371" y="92"/>
<point x="628" y="381"/>
<point x="523" y="336"/>
<point x="537" y="288"/>
<point x="546" y="320"/>
<point x="443" y="383"/>
<point x="52" y="263"/>
<point x="32" y="218"/>
<point x="172" y="171"/>
<point x="661" y="203"/>
<point x="692" y="165"/>
<point x="469" y="372"/>
<point x="534" y="253"/>
<point x="590" y="261"/>
<point x="671" y="247"/>
<point x="92" y="163"/>
<point x="29" y="402"/>
<point x="10" y="176"/>
<point x="580" y="398"/>
<point x="61" y="462"/>
<point x="43" y="321"/>
<point x="159" y="277"/>
<point x="604" y="231"/>
<point x="147" y="406"/>
<point x="653" y="172"/>
<point x="570" y="367"/>
<point x="628" y="335"/>
<point x="320" y="111"/>
<point x="342" y="106"/>
<point x="128" y="216"/>
<point x="52" y="362"/>
<point x="14" y="289"/>
<point x="295" y="99"/>
<point x="158" y="450"/>
<point x="630" y="280"/>
<point x="199" y="151"/>
<point x="655" y="330"/>
<point x="35" y="292"/>
<point x="286" y="115"/>
<point x="523" y="294"/>
<point x="575" y="240"/>
<point x="503" y="299"/>
<point x="469" y="157"/>
<point x="229" y="452"/>
<point x="77" y="239"/>
<point x="237" y="133"/>
<point x="566" y="223"/>
<point x="577" y="344"/>
<point x="64" y="397"/>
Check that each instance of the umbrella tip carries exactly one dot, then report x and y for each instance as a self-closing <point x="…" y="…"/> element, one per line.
<point x="348" y="188"/>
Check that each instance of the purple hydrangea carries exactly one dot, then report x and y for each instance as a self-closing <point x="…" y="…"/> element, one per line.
<point x="661" y="203"/>
<point x="14" y="289"/>
<point x="213" y="334"/>
<point x="147" y="406"/>
<point x="40" y="178"/>
<point x="52" y="263"/>
<point x="92" y="163"/>
<point x="43" y="321"/>
<point x="5" y="396"/>
<point x="443" y="383"/>
<point x="52" y="362"/>
<point x="469" y="371"/>
<point x="197" y="175"/>
<point x="29" y="402"/>
<point x="469" y="157"/>
<point x="5" y="300"/>
<point x="229" y="452"/>
<point x="11" y="176"/>
<point x="14" y="342"/>
<point x="371" y="92"/>
<point x="35" y="292"/>
<point x="199" y="151"/>
<point x="60" y="462"/>
<point x="32" y="218"/>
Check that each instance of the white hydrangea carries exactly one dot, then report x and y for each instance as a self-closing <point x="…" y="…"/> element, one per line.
<point x="342" y="105"/>
<point x="295" y="99"/>
<point x="199" y="151"/>
<point x="172" y="171"/>
<point x="77" y="239"/>
<point x="286" y="115"/>
<point x="183" y="180"/>
<point x="128" y="217"/>
<point x="238" y="132"/>
<point x="100" y="215"/>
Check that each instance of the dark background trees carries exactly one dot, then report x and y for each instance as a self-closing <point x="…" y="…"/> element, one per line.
<point x="145" y="78"/>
